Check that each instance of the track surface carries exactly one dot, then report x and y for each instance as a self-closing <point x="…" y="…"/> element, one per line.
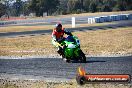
<point x="80" y="19"/>
<point x="57" y="68"/>
<point x="117" y="24"/>
<point x="51" y="21"/>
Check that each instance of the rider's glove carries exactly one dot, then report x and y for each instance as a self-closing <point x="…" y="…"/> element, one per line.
<point x="68" y="33"/>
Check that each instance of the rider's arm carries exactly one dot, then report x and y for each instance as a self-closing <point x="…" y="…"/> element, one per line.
<point x="54" y="37"/>
<point x="67" y="32"/>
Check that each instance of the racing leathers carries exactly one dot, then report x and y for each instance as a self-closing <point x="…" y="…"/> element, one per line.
<point x="58" y="37"/>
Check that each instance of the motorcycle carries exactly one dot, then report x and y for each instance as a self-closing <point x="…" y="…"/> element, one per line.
<point x="71" y="49"/>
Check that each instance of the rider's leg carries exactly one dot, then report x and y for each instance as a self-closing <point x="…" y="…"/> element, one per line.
<point x="59" y="49"/>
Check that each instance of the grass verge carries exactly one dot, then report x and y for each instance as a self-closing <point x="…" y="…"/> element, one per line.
<point x="110" y="41"/>
<point x="44" y="27"/>
<point x="43" y="84"/>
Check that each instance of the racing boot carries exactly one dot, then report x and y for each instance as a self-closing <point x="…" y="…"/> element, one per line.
<point x="59" y="50"/>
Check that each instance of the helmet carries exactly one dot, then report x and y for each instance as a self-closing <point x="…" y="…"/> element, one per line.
<point x="58" y="27"/>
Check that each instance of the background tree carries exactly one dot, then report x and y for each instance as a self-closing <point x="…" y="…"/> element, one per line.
<point x="71" y="6"/>
<point x="7" y="4"/>
<point x="17" y="7"/>
<point x="93" y="7"/>
<point x="41" y="6"/>
<point x="106" y="6"/>
<point x="121" y="4"/>
<point x="62" y="7"/>
<point x="56" y="7"/>
<point x="128" y="4"/>
<point x="2" y="9"/>
<point x="33" y="6"/>
<point x="86" y="4"/>
<point x="25" y="8"/>
<point x="75" y="6"/>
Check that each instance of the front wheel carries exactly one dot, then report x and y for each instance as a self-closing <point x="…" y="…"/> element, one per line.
<point x="82" y="57"/>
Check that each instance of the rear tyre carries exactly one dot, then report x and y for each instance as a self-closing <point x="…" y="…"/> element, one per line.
<point x="82" y="57"/>
<point x="63" y="56"/>
<point x="68" y="61"/>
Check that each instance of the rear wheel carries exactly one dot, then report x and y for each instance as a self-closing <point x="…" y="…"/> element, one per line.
<point x="68" y="60"/>
<point x="82" y="57"/>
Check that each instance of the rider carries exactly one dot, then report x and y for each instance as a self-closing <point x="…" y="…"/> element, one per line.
<point x="58" y="37"/>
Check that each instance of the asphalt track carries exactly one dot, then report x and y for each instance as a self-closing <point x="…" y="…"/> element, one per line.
<point x="57" y="68"/>
<point x="53" y="21"/>
<point x="117" y="24"/>
<point x="81" y="19"/>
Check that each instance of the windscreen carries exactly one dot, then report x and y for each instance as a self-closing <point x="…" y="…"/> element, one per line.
<point x="70" y="39"/>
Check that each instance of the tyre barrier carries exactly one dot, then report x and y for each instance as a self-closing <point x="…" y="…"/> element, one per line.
<point x="123" y="16"/>
<point x="114" y="18"/>
<point x="110" y="18"/>
<point x="130" y="17"/>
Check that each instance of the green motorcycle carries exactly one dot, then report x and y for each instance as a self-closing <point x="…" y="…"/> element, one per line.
<point x="71" y="49"/>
